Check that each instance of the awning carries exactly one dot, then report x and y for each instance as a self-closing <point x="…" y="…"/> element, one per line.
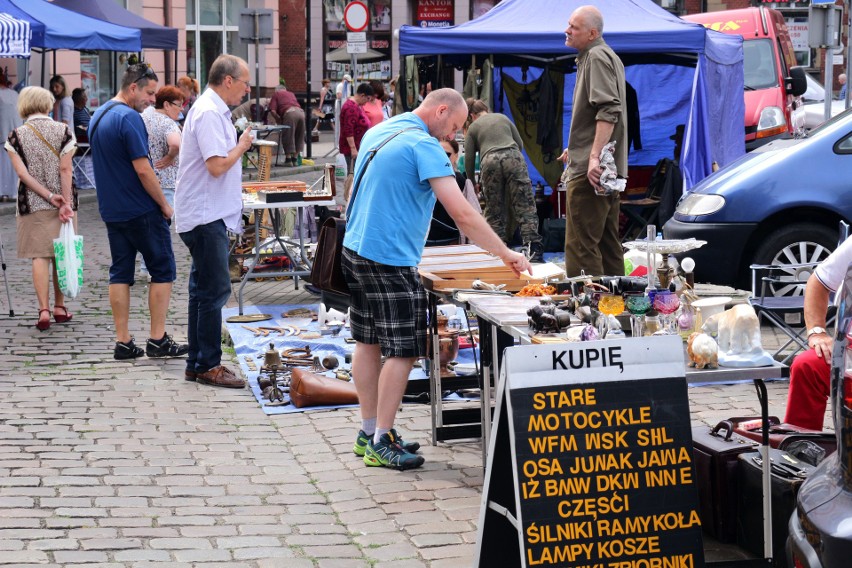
<point x="14" y="37"/>
<point x="154" y="36"/>
<point x="340" y="55"/>
<point x="64" y="29"/>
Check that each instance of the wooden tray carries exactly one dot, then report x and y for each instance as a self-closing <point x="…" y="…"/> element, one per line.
<point x="457" y="266"/>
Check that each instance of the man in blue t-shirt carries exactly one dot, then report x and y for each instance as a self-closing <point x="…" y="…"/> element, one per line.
<point x="136" y="213"/>
<point x="388" y="220"/>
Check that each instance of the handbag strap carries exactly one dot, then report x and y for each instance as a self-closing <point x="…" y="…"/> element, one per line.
<point x="43" y="139"/>
<point x="370" y="155"/>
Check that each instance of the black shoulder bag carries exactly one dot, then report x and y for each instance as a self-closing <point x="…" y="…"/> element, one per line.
<point x="327" y="272"/>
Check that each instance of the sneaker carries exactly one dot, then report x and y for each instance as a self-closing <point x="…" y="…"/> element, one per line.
<point x="363" y="440"/>
<point x="127" y="350"/>
<point x="166" y="347"/>
<point x="388" y="453"/>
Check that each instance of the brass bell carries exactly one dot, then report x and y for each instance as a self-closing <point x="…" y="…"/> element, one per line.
<point x="271" y="359"/>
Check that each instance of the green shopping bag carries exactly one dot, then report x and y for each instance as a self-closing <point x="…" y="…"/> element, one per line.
<point x="68" y="250"/>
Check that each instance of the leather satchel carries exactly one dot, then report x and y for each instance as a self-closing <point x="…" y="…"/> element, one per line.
<point x="310" y="389"/>
<point x="327" y="271"/>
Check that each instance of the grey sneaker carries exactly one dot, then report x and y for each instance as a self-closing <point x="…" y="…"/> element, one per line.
<point x="165" y="347"/>
<point x="127" y="350"/>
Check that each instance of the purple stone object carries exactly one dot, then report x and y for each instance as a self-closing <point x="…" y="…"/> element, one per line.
<point x="589" y="333"/>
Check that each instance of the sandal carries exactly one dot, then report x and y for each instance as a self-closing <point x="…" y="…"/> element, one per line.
<point x="43" y="324"/>
<point x="59" y="318"/>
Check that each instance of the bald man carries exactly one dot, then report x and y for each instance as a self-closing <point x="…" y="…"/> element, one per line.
<point x="599" y="116"/>
<point x="389" y="215"/>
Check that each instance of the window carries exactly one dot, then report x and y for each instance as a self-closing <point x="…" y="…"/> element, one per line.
<point x="211" y="29"/>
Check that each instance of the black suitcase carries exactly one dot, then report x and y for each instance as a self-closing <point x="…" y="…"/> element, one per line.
<point x="788" y="474"/>
<point x="786" y="437"/>
<point x="715" y="452"/>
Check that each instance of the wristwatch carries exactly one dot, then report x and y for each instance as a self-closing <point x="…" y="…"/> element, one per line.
<point x="815" y="330"/>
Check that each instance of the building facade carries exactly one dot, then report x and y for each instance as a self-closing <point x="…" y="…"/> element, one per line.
<point x="206" y="28"/>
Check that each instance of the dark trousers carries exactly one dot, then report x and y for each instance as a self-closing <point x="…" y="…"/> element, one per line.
<point x="209" y="288"/>
<point x="591" y="231"/>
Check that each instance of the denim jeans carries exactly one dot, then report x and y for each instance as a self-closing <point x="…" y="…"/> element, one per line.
<point x="209" y="288"/>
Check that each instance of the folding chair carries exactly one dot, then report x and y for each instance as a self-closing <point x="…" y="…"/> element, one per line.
<point x="778" y="310"/>
<point x="782" y="295"/>
<point x="657" y="207"/>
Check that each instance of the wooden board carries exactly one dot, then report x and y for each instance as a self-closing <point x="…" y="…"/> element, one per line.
<point x="452" y="250"/>
<point x="457" y="266"/>
<point x="433" y="281"/>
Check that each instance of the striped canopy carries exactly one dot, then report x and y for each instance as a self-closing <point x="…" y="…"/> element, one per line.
<point x="14" y="37"/>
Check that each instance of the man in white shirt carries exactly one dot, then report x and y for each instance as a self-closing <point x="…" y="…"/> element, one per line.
<point x="810" y="372"/>
<point x="208" y="204"/>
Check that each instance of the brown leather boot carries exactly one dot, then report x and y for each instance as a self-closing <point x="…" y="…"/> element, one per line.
<point x="220" y="376"/>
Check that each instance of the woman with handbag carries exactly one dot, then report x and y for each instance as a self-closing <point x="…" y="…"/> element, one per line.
<point x="41" y="152"/>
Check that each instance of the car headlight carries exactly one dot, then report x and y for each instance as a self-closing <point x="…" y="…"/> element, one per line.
<point x="771" y="122"/>
<point x="694" y="204"/>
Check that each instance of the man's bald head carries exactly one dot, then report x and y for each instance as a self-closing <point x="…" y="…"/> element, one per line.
<point x="584" y="26"/>
<point x="592" y="17"/>
<point x="444" y="111"/>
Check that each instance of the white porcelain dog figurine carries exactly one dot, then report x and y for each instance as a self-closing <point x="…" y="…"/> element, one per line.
<point x="738" y="336"/>
<point x="702" y="350"/>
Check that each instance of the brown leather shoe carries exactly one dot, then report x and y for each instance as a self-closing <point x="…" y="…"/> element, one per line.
<point x="190" y="375"/>
<point x="220" y="376"/>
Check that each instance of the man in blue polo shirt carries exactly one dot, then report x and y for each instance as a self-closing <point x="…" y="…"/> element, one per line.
<point x="388" y="220"/>
<point x="136" y="213"/>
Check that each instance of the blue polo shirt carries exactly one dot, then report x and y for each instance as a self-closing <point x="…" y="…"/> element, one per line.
<point x="389" y="218"/>
<point x="120" y="137"/>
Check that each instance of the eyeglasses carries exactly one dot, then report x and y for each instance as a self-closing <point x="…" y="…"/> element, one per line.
<point x="142" y="71"/>
<point x="174" y="103"/>
<point x="244" y="82"/>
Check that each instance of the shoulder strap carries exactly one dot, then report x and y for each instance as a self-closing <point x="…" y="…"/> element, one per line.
<point x="43" y="139"/>
<point x="370" y="155"/>
<point x="98" y="121"/>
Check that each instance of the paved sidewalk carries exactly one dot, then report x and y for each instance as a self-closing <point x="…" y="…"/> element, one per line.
<point x="121" y="464"/>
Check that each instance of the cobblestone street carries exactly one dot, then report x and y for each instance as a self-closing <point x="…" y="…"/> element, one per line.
<point x="123" y="464"/>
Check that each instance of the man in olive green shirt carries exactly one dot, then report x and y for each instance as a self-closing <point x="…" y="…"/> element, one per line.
<point x="504" y="179"/>
<point x="599" y="116"/>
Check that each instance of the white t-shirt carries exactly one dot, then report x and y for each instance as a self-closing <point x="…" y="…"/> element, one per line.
<point x="832" y="272"/>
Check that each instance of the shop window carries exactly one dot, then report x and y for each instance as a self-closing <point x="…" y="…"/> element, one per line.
<point x="212" y="27"/>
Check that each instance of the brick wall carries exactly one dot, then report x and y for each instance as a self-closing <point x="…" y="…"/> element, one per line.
<point x="292" y="41"/>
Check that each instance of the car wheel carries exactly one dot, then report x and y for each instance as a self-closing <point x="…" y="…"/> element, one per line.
<point x="803" y="243"/>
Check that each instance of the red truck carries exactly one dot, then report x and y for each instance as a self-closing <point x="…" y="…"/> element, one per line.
<point x="772" y="81"/>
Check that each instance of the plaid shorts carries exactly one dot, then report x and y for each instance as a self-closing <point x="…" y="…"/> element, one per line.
<point x="387" y="306"/>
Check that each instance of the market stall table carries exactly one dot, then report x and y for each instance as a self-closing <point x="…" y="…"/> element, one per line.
<point x="300" y="264"/>
<point x="503" y="322"/>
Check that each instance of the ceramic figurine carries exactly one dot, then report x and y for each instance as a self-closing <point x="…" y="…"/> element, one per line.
<point x="702" y="350"/>
<point x="738" y="336"/>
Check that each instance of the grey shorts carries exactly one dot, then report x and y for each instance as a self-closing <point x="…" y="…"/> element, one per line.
<point x="387" y="306"/>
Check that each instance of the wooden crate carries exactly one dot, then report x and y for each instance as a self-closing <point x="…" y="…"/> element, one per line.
<point x="451" y="267"/>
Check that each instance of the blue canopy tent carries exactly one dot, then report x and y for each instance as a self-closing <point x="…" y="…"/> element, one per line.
<point x="64" y="29"/>
<point x="154" y="36"/>
<point x="682" y="72"/>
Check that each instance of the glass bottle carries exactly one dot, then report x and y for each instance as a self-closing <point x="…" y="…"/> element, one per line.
<point x="652" y="323"/>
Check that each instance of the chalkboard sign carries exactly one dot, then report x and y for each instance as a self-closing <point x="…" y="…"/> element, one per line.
<point x="590" y="459"/>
